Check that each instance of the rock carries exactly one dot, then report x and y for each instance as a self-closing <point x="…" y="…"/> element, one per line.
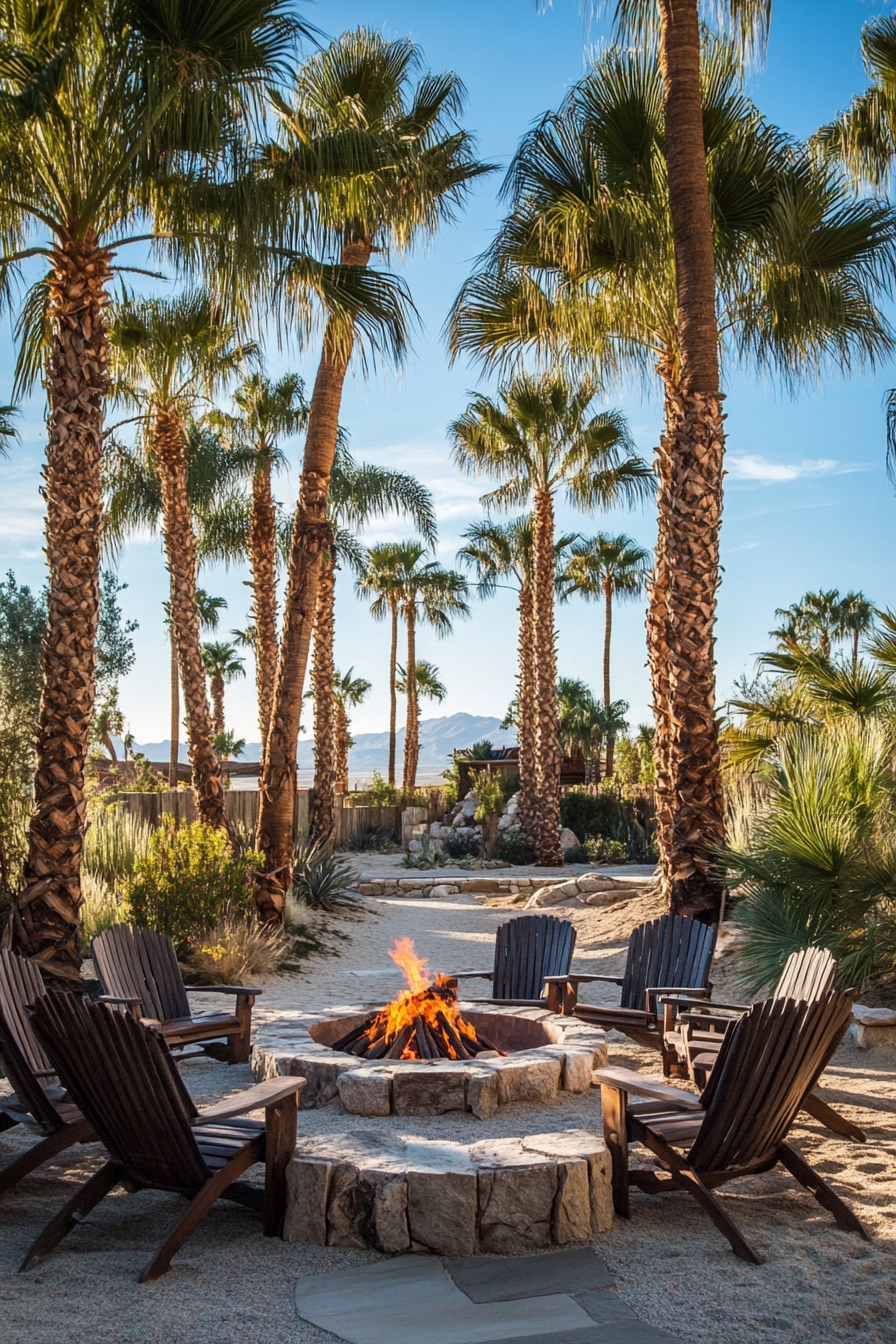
<point x="415" y="847"/>
<point x="526" y="1078"/>
<point x="390" y="1214"/>
<point x="307" y="1186"/>
<point x="349" y="1208"/>
<point x="366" y="1092"/>
<point x="568" y="839"/>
<point x="435" y="830"/>
<point x="470" y="805"/>
<point x="546" y="896"/>
<point x="515" y="1208"/>
<point x="578" y="1065"/>
<point x="581" y="1143"/>
<point x="442" y="1211"/>
<point x="369" y="888"/>
<point x="438" y="892"/>
<point x="505" y="822"/>
<point x="320" y="1071"/>
<point x="592" y="882"/>
<point x="482" y="1093"/>
<point x="427" y="1090"/>
<point x="458" y="821"/>
<point x="873" y="1026"/>
<point x="610" y="897"/>
<point x="512" y="807"/>
<point x="571" y="1214"/>
<point x="730" y="938"/>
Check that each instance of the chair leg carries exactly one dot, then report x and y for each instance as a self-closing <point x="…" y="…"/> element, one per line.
<point x="42" y="1152"/>
<point x="831" y="1119"/>
<point x="613" y="1102"/>
<point x="810" y="1179"/>
<point x="199" y="1207"/>
<point x="280" y="1144"/>
<point x="71" y="1213"/>
<point x="239" y="1046"/>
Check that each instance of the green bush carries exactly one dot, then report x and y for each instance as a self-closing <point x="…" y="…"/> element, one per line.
<point x="490" y="798"/>
<point x="605" y="851"/>
<point x="512" y="848"/>
<point x="189" y="882"/>
<point x="382" y="794"/>
<point x="576" y="854"/>
<point x="113" y="845"/>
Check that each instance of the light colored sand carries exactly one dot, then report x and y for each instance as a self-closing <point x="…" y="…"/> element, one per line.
<point x="232" y="1286"/>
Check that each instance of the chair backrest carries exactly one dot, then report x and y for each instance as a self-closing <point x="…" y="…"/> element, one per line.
<point x="22" y="1054"/>
<point x="807" y="974"/>
<point x="672" y="952"/>
<point x="769" y="1062"/>
<point x="139" y="964"/>
<point x="126" y="1084"/>
<point x="526" y="950"/>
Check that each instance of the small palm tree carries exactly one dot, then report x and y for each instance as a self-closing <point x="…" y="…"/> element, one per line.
<point x="348" y="691"/>
<point x="604" y="567"/>
<point x="540" y="435"/>
<point x="429" y="684"/>
<point x="228" y="746"/>
<point x="222" y="664"/>
<point x="855" y="618"/>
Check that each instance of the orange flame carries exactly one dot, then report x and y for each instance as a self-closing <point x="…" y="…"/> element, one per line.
<point x="413" y="967"/>
<point x="418" y="1000"/>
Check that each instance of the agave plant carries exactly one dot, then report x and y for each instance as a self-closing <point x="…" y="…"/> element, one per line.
<point x="320" y="879"/>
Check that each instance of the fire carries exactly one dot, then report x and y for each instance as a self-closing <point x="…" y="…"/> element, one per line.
<point x="421" y="1023"/>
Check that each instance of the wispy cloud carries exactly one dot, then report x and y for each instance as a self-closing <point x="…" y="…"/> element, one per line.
<point x="747" y="546"/>
<point x="758" y="469"/>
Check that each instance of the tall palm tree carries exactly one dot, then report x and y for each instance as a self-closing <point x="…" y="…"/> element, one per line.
<point x="105" y="130"/>
<point x="604" y="567"/>
<point x="373" y="164"/>
<point x="267" y="412"/>
<point x="222" y="664"/>
<point x="380" y="584"/>
<point x="208" y="608"/>
<point x="495" y="551"/>
<point x="541" y="434"/>
<point x="585" y="264"/>
<point x="348" y="691"/>
<point x="813" y="618"/>
<point x="359" y="492"/>
<point x="855" y="617"/>
<point x="171" y="354"/>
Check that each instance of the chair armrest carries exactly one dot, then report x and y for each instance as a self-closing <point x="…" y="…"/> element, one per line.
<point x="652" y="992"/>
<point x="626" y="1080"/>
<point x="134" y="1006"/>
<point x="221" y="989"/>
<point x="582" y="979"/>
<point x="471" y="975"/>
<point x="711" y="1006"/>
<point x="253" y="1099"/>
<point x="704" y="1021"/>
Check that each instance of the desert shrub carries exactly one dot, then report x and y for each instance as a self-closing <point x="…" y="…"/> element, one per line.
<point x="490" y="798"/>
<point x="451" y="789"/>
<point x="237" y="951"/>
<point x="627" y="767"/>
<point x="113" y="845"/>
<point x="605" y="851"/>
<point x="321" y="880"/>
<point x="382" y="794"/>
<point x="188" y="882"/>
<point x="575" y="854"/>
<point x="144" y="778"/>
<point x="101" y="909"/>
<point x="480" y="751"/>
<point x="458" y="846"/>
<point x="512" y="848"/>
<point x="429" y="857"/>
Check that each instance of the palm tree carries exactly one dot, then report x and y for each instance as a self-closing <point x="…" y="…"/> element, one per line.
<point x="348" y="691"/>
<point x="208" y="608"/>
<point x="585" y="263"/>
<point x="543" y="433"/>
<point x="380" y="584"/>
<point x="855" y="617"/>
<point x="267" y="412"/>
<point x="170" y="354"/>
<point x="496" y="551"/>
<point x="103" y="104"/>
<point x="815" y="616"/>
<point x="223" y="664"/>
<point x="606" y="567"/>
<point x="429" y="685"/>
<point x="373" y="164"/>
<point x="359" y="492"/>
<point x="228" y="745"/>
<point x="581" y="725"/>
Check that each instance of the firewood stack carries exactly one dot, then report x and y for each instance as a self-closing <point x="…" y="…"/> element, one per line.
<point x="416" y="1026"/>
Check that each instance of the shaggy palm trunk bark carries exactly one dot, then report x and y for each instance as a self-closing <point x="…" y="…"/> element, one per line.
<point x="528" y="802"/>
<point x="343" y="746"/>
<point x="412" y="731"/>
<point x="323" y="798"/>
<point x="548" y="851"/>
<point x="216" y="687"/>
<point x="311" y="537"/>
<point x="46" y="915"/>
<point x="174" y="752"/>
<point x="694" y="440"/>
<point x="263" y="564"/>
<point x="393" y="698"/>
<point x="608" y="632"/>
<point x="180" y="554"/>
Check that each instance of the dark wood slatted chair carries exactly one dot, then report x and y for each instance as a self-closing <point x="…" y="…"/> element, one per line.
<point x="125" y="1081"/>
<point x="665" y="954"/>
<point x="769" y="1062"/>
<point x="529" y="951"/>
<point x="138" y="968"/>
<point x="693" y="1032"/>
<point x="38" y="1101"/>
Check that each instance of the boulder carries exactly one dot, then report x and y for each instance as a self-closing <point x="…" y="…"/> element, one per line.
<point x="873" y="1026"/>
<point x="525" y="1078"/>
<point x="427" y="1090"/>
<point x="442" y="1212"/>
<point x="568" y="839"/>
<point x="546" y="896"/>
<point x="435" y="830"/>
<point x="366" y="1092"/>
<point x="482" y="1093"/>
<point x="515" y="1208"/>
<point x="415" y="847"/>
<point x="438" y="892"/>
<point x="470" y="805"/>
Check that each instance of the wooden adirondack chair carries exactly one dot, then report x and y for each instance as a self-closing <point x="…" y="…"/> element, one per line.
<point x="665" y="954"/>
<point x="529" y="950"/>
<point x="769" y="1062"/>
<point x="38" y="1101"/>
<point x="125" y="1081"/>
<point x="693" y="1037"/>
<point x="138" y="968"/>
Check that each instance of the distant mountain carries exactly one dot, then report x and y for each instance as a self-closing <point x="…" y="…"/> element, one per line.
<point x="438" y="738"/>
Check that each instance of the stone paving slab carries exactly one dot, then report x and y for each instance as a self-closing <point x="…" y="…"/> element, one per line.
<point x="618" y="1323"/>
<point x="486" y="1279"/>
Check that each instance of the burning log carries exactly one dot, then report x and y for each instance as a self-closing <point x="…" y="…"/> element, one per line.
<point x="355" y="1034"/>
<point x="398" y="1046"/>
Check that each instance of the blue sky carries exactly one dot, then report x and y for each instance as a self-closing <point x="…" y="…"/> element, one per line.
<point x="807" y="501"/>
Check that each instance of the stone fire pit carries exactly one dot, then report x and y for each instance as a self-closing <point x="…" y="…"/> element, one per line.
<point x="547" y="1054"/>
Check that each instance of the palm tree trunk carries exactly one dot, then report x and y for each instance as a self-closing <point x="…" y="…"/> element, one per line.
<point x="608" y="631"/>
<point x="412" y="730"/>
<point x="393" y="698"/>
<point x="548" y="851"/>
<point x="855" y="650"/>
<point x="180" y="553"/>
<point x="323" y="798"/>
<point x="311" y="537"/>
<point x="46" y="917"/>
<point x="343" y="745"/>
<point x="526" y="719"/>
<point x="174" y="752"/>
<point x="263" y="563"/>
<point x="217" y="690"/>
<point x="694" y="440"/>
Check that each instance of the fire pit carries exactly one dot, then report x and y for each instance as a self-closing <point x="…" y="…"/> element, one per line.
<point x="425" y="1054"/>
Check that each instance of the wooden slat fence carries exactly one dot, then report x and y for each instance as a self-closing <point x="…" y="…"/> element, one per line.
<point x="352" y="823"/>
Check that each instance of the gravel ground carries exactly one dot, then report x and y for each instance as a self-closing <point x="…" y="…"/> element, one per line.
<point x="230" y="1285"/>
